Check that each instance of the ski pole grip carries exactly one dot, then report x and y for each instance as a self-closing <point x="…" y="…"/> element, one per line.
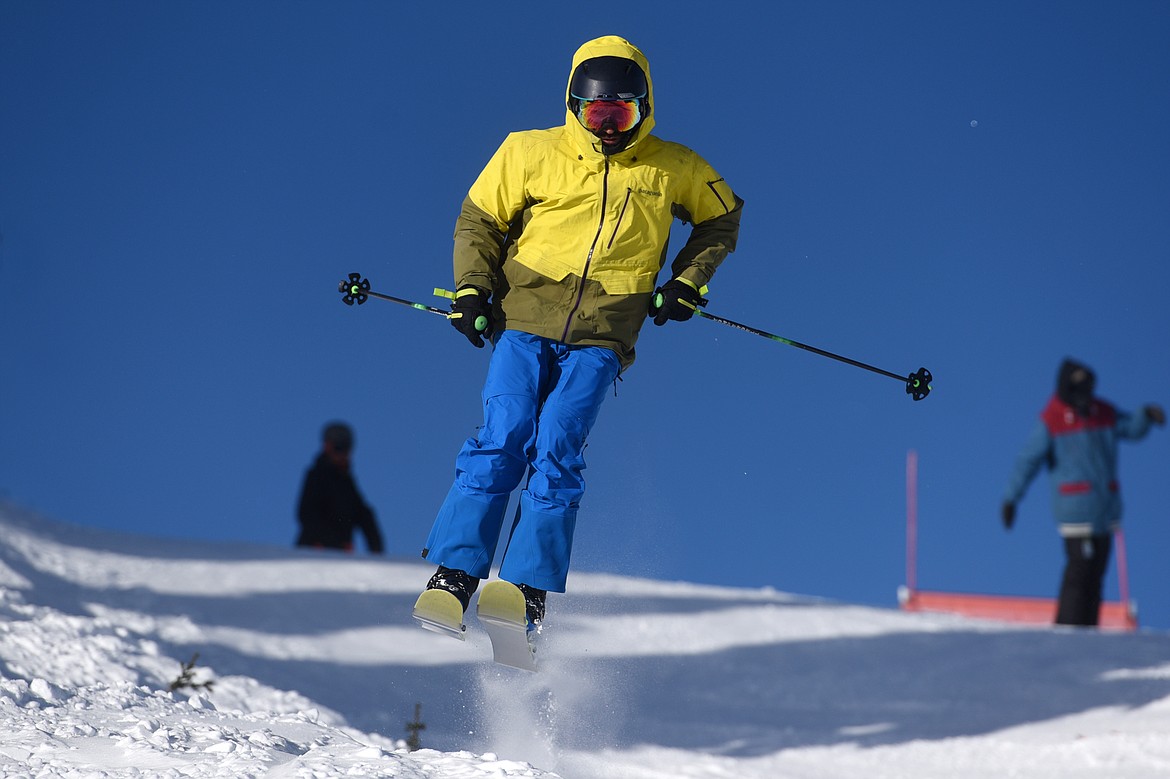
<point x="657" y="300"/>
<point x="481" y="323"/>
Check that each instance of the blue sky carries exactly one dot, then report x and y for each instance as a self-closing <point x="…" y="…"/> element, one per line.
<point x="978" y="188"/>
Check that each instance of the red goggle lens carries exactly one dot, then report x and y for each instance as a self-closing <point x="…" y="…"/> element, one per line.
<point x="594" y="115"/>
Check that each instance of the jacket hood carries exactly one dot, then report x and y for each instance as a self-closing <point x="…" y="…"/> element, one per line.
<point x="609" y="46"/>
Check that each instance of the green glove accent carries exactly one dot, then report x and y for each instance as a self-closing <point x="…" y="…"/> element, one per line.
<point x="471" y="314"/>
<point x="675" y="300"/>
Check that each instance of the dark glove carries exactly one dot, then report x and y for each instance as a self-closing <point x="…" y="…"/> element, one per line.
<point x="1156" y="414"/>
<point x="676" y="299"/>
<point x="1008" y="513"/>
<point x="471" y="314"/>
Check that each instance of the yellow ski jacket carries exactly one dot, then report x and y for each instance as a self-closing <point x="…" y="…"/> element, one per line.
<point x="570" y="241"/>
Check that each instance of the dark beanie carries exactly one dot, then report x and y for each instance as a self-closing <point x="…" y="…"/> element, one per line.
<point x="1075" y="383"/>
<point x="339" y="435"/>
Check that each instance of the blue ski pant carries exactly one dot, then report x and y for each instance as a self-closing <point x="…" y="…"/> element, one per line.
<point x="540" y="400"/>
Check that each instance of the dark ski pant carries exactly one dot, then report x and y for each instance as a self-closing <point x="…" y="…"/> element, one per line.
<point x="540" y="400"/>
<point x="1086" y="560"/>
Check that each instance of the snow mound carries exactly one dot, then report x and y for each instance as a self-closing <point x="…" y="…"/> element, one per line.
<point x="125" y="656"/>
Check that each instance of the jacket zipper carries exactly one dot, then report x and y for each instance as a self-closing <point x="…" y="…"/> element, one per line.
<point x="621" y="215"/>
<point x="589" y="257"/>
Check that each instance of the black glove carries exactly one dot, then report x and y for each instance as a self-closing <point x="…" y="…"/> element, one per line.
<point x="471" y="314"/>
<point x="1156" y="414"/>
<point x="1008" y="513"/>
<point x="676" y="299"/>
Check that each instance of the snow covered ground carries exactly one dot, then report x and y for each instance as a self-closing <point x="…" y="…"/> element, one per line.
<point x="316" y="671"/>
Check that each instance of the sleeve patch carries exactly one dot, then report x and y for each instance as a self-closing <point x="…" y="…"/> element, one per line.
<point x="723" y="193"/>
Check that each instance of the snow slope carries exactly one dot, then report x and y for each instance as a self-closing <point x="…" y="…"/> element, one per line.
<point x="316" y="670"/>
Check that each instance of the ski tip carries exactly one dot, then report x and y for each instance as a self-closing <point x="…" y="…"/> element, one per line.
<point x="501" y="610"/>
<point x="440" y="612"/>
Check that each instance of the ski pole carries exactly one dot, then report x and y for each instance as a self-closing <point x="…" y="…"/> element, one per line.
<point x="356" y="289"/>
<point x="917" y="384"/>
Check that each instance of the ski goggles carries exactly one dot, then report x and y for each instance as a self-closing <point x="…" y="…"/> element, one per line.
<point x="623" y="114"/>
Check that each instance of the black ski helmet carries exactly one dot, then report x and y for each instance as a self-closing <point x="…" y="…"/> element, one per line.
<point x="609" y="77"/>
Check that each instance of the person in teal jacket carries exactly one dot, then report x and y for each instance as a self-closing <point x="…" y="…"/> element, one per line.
<point x="1076" y="437"/>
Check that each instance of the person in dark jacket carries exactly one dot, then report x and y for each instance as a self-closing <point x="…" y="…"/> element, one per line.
<point x="1077" y="437"/>
<point x="331" y="506"/>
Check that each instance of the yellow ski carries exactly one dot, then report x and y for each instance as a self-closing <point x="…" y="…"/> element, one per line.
<point x="501" y="610"/>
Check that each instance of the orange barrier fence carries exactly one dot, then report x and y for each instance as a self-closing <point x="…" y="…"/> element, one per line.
<point x="1114" y="615"/>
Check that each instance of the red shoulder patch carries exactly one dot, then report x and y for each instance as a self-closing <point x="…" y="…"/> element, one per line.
<point x="1060" y="419"/>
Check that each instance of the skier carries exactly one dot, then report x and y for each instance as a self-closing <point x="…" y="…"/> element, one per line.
<point x="558" y="246"/>
<point x="1077" y="437"/>
<point x="330" y="506"/>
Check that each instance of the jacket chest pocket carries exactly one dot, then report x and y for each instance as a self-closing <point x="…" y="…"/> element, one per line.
<point x="633" y="240"/>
